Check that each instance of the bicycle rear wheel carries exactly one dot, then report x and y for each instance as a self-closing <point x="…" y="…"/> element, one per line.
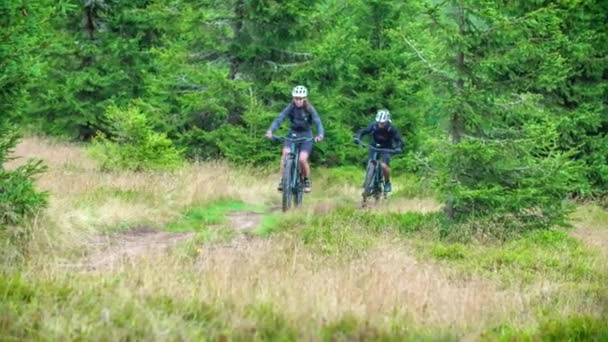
<point x="287" y="190"/>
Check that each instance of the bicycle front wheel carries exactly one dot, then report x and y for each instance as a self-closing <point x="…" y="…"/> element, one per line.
<point x="378" y="184"/>
<point x="299" y="193"/>
<point x="287" y="189"/>
<point x="368" y="184"/>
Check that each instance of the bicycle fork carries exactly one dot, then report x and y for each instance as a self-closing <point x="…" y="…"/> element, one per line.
<point x="296" y="180"/>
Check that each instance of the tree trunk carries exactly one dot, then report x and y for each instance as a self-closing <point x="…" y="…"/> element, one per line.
<point x="237" y="26"/>
<point x="456" y="129"/>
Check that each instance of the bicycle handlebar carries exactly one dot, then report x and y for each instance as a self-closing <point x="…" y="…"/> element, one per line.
<point x="389" y="150"/>
<point x="278" y="137"/>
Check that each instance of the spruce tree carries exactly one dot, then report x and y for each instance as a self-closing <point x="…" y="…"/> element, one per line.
<point x="502" y="160"/>
<point x="95" y="56"/>
<point x="19" y="65"/>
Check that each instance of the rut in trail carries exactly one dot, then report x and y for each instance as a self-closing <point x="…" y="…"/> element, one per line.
<point x="110" y="251"/>
<point x="243" y="223"/>
<point x="595" y="238"/>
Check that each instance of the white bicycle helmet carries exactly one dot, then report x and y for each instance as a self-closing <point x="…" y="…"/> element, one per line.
<point x="299" y="91"/>
<point x="383" y="115"/>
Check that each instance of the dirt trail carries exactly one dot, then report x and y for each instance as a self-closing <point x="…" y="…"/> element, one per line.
<point x="595" y="238"/>
<point x="243" y="224"/>
<point x="243" y="221"/>
<point x="113" y="250"/>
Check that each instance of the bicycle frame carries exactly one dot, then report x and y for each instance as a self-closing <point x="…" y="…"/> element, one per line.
<point x="292" y="185"/>
<point x="374" y="182"/>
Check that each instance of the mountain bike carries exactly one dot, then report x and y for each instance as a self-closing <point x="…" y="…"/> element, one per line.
<point x="293" y="189"/>
<point x="373" y="185"/>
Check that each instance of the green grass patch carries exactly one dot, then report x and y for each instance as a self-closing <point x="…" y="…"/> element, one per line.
<point x="350" y="328"/>
<point x="406" y="185"/>
<point x="200" y="218"/>
<point x="209" y="223"/>
<point x="343" y="175"/>
<point x="577" y="328"/>
<point x="270" y="324"/>
<point x="367" y="222"/>
<point x="347" y="231"/>
<point x="449" y="252"/>
<point x="89" y="308"/>
<point x="549" y="253"/>
<point x="337" y="239"/>
<point x="191" y="310"/>
<point x="269" y="224"/>
<point x="574" y="328"/>
<point x="409" y="185"/>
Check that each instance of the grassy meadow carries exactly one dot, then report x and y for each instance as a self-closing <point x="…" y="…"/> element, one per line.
<point x="204" y="253"/>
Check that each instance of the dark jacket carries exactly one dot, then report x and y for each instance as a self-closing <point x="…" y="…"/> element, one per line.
<point x="385" y="137"/>
<point x="300" y="119"/>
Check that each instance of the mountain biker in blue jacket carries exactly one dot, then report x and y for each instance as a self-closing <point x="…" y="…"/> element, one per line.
<point x="384" y="134"/>
<point x="301" y="116"/>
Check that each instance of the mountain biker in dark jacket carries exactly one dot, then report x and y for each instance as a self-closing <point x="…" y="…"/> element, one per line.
<point x="384" y="134"/>
<point x="301" y="116"/>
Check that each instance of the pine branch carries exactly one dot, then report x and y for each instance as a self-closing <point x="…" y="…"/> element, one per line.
<point x="219" y="21"/>
<point x="206" y="55"/>
<point x="296" y="55"/>
<point x="521" y="99"/>
<point x="421" y="57"/>
<point x="276" y="65"/>
<point x="425" y="163"/>
<point x="186" y="86"/>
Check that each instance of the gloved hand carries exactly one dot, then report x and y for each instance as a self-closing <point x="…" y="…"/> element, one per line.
<point x="357" y="140"/>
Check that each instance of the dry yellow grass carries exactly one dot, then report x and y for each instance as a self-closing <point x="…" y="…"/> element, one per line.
<point x="306" y="288"/>
<point x="385" y="281"/>
<point x="325" y="197"/>
<point x="82" y="203"/>
<point x="591" y="224"/>
<point x="309" y="291"/>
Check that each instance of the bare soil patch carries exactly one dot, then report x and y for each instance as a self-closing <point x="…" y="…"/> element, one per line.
<point x="595" y="238"/>
<point x="112" y="250"/>
<point x="243" y="221"/>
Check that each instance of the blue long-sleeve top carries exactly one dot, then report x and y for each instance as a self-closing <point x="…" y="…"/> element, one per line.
<point x="300" y="119"/>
